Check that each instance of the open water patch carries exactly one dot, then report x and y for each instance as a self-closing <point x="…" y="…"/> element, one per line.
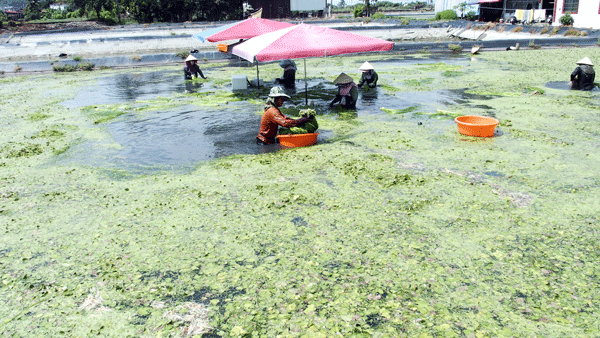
<point x="131" y="87"/>
<point x="181" y="136"/>
<point x="566" y="85"/>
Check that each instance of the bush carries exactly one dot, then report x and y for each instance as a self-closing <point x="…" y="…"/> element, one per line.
<point x="567" y="20"/>
<point x="86" y="66"/>
<point x="77" y="58"/>
<point x="446" y="15"/>
<point x="358" y="11"/>
<point x="70" y="68"/>
<point x="471" y="16"/>
<point x="108" y="18"/>
<point x="518" y="29"/>
<point x="378" y="15"/>
<point x="65" y="68"/>
<point x="58" y="16"/>
<point x="183" y="54"/>
<point x="455" y="48"/>
<point x="75" y="14"/>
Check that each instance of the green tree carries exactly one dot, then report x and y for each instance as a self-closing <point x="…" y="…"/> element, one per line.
<point x="342" y="4"/>
<point x="33" y="10"/>
<point x="461" y="7"/>
<point x="368" y="6"/>
<point x="143" y="11"/>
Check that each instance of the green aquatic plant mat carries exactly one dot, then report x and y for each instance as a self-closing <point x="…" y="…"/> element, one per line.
<point x="390" y="228"/>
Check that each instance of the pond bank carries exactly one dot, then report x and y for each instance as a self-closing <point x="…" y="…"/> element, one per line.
<point x="159" y="44"/>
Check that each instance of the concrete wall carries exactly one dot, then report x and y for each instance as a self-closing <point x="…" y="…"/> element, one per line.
<point x="587" y="15"/>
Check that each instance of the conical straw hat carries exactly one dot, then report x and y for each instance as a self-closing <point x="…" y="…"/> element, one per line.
<point x="585" y="61"/>
<point x="191" y="58"/>
<point x="366" y="66"/>
<point x="343" y="78"/>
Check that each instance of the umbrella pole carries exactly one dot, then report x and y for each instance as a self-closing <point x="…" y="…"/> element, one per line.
<point x="257" y="78"/>
<point x="305" y="83"/>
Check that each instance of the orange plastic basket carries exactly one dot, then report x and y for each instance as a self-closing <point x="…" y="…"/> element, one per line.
<point x="222" y="48"/>
<point x="298" y="140"/>
<point x="480" y="126"/>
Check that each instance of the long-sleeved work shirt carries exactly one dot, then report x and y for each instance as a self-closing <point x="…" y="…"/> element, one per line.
<point x="270" y="122"/>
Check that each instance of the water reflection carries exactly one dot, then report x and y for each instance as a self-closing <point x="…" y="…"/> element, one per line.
<point x="192" y="86"/>
<point x="368" y="96"/>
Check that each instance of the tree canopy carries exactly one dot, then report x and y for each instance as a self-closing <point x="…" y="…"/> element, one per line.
<point x="146" y="11"/>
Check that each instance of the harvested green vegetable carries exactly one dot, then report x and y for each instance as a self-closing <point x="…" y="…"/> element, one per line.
<point x="309" y="127"/>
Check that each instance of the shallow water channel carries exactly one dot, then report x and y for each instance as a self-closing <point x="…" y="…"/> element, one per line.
<point x="181" y="137"/>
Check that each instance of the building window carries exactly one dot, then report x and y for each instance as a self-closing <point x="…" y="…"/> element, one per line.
<point x="571" y="6"/>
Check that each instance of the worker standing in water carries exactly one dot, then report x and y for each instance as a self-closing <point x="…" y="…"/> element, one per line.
<point x="369" y="76"/>
<point x="583" y="76"/>
<point x="288" y="79"/>
<point x="273" y="118"/>
<point x="347" y="92"/>
<point x="191" y="69"/>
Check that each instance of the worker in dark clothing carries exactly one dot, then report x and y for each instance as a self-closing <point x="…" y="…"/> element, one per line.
<point x="191" y="69"/>
<point x="583" y="76"/>
<point x="288" y="79"/>
<point x="273" y="118"/>
<point x="347" y="92"/>
<point x="369" y="76"/>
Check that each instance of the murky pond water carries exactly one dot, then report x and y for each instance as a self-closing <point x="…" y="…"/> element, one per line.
<point x="182" y="137"/>
<point x="564" y="85"/>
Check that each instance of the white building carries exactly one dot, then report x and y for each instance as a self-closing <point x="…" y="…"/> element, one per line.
<point x="59" y="6"/>
<point x="471" y="5"/>
<point x="585" y="13"/>
<point x="442" y="5"/>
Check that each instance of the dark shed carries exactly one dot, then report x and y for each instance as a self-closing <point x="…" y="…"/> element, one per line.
<point x="272" y="9"/>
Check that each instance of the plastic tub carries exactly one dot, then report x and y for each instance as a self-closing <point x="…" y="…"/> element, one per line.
<point x="297" y="140"/>
<point x="480" y="126"/>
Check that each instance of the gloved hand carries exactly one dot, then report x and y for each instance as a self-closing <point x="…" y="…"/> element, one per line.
<point x="359" y="86"/>
<point x="302" y="121"/>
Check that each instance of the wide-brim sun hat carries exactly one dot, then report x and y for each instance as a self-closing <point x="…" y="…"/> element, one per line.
<point x="585" y="61"/>
<point x="278" y="92"/>
<point x="365" y="67"/>
<point x="190" y="58"/>
<point x="342" y="79"/>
